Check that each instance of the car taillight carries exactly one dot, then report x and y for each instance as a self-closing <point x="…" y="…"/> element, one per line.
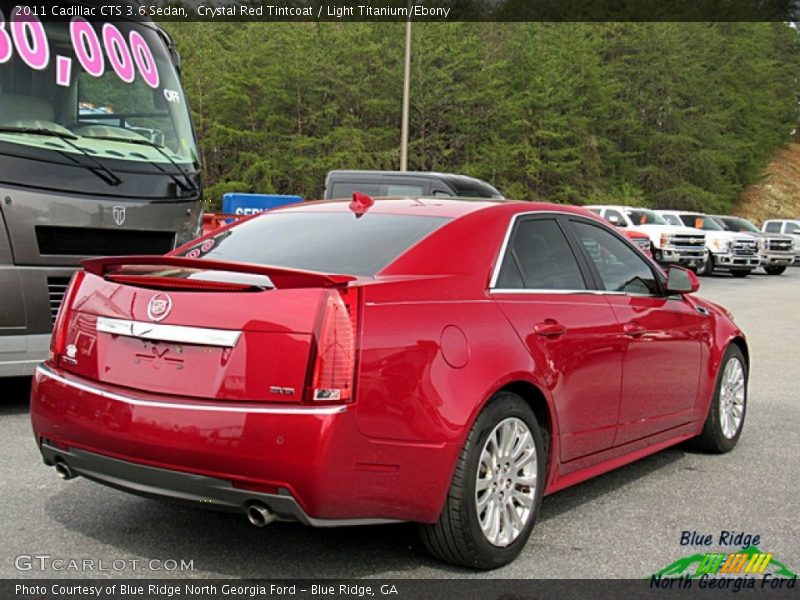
<point x="333" y="364"/>
<point x="58" y="341"/>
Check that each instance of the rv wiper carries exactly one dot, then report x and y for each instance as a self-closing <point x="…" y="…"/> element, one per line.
<point x="38" y="131"/>
<point x="187" y="185"/>
<point x="98" y="169"/>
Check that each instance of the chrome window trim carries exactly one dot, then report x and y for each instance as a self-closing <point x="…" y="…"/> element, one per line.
<point x="201" y="405"/>
<point x="507" y="239"/>
<point x="541" y="291"/>
<point x="180" y="334"/>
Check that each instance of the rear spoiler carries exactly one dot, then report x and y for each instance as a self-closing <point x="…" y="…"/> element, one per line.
<point x="281" y="277"/>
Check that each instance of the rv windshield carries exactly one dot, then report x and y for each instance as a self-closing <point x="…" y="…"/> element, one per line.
<point x="106" y="89"/>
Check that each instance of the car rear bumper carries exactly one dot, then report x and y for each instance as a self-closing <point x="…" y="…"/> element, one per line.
<point x="212" y="492"/>
<point x="309" y="463"/>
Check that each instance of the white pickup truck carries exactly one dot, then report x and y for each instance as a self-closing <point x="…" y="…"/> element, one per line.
<point x="775" y="250"/>
<point x="735" y="252"/>
<point x="790" y="227"/>
<point x="670" y="244"/>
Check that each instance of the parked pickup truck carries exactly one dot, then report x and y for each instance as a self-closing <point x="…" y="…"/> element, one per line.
<point x="670" y="244"/>
<point x="727" y="250"/>
<point x="790" y="227"/>
<point x="776" y="251"/>
<point x="641" y="240"/>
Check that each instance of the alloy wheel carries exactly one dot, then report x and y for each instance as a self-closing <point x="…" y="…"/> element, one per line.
<point x="506" y="481"/>
<point x="732" y="398"/>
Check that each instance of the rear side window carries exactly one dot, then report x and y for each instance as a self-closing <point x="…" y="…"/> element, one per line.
<point x="345" y="189"/>
<point x="672" y="220"/>
<point x="539" y="257"/>
<point x="615" y="217"/>
<point x="330" y="242"/>
<point x="773" y="227"/>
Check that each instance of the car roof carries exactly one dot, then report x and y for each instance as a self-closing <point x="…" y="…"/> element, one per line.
<point x="437" y="207"/>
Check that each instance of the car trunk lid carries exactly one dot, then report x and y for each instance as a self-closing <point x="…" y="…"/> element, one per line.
<point x="197" y="328"/>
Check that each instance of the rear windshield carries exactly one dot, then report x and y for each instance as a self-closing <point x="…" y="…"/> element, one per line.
<point x="641" y="216"/>
<point x="701" y="222"/>
<point x="329" y="242"/>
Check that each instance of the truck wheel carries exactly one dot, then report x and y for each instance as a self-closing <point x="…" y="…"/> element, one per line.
<point x="774" y="270"/>
<point x="726" y="413"/>
<point x="740" y="272"/>
<point x="496" y="491"/>
<point x="707" y="267"/>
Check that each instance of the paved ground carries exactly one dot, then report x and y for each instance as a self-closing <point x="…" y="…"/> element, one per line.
<point x="625" y="524"/>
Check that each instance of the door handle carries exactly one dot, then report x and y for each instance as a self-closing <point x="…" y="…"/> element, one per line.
<point x="549" y="328"/>
<point x="634" y="329"/>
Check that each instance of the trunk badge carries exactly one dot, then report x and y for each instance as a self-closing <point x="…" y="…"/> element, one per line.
<point x="159" y="307"/>
<point x="119" y="215"/>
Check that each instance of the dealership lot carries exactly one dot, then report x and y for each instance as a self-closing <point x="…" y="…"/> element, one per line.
<point x="627" y="523"/>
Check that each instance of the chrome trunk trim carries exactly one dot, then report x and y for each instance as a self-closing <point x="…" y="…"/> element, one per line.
<point x="180" y="334"/>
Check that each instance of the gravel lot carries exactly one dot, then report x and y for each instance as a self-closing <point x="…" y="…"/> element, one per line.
<point x="627" y="523"/>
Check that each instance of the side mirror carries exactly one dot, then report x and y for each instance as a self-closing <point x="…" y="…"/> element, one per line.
<point x="681" y="281"/>
<point x="614" y="220"/>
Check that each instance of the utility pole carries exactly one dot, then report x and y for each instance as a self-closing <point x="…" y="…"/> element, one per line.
<point x="406" y="90"/>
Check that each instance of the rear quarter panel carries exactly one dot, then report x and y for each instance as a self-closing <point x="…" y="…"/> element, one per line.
<point x="433" y="350"/>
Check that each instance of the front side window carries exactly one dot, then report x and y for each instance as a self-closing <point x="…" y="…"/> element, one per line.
<point x="620" y="267"/>
<point x="109" y="90"/>
<point x="539" y="257"/>
<point x="793" y="228"/>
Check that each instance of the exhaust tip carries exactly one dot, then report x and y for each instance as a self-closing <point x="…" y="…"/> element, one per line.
<point x="259" y="515"/>
<point x="63" y="470"/>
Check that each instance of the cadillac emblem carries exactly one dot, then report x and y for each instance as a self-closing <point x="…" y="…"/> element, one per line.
<point x="159" y="307"/>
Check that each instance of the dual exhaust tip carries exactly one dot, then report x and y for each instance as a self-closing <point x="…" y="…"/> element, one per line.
<point x="258" y="514"/>
<point x="63" y="470"/>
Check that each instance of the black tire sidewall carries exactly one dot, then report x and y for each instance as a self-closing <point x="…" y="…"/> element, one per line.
<point x="713" y="426"/>
<point x="708" y="267"/>
<point x="503" y="406"/>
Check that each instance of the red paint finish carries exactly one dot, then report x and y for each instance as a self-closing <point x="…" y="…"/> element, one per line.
<point x="615" y="376"/>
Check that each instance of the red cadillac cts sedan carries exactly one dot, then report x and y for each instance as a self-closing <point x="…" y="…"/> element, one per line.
<point x="439" y="361"/>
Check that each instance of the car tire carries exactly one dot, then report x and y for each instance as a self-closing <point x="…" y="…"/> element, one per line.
<point x="740" y="272"/>
<point x="775" y="270"/>
<point x="707" y="267"/>
<point x="465" y="534"/>
<point x="723" y="427"/>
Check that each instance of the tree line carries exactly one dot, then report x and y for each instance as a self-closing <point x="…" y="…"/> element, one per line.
<point x="675" y="115"/>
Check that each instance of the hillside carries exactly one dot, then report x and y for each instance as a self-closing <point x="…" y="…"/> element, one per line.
<point x="777" y="195"/>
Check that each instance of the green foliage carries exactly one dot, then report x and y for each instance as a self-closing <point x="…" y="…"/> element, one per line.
<point x="681" y="115"/>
